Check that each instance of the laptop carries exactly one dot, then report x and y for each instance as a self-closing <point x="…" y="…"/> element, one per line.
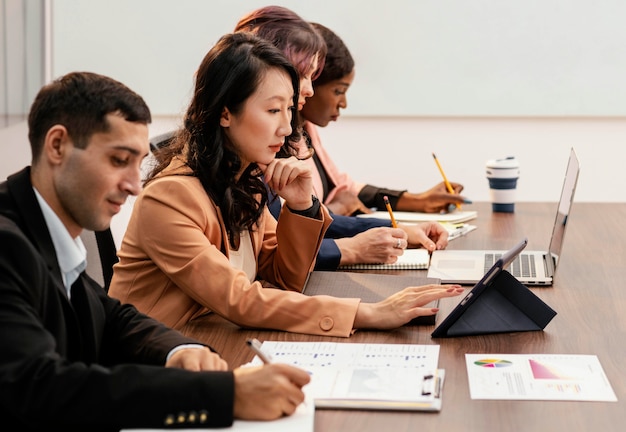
<point x="498" y="303"/>
<point x="530" y="267"/>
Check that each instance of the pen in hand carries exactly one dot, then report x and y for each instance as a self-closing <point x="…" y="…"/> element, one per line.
<point x="445" y="179"/>
<point x="255" y="346"/>
<point x="266" y="358"/>
<point x="388" y="205"/>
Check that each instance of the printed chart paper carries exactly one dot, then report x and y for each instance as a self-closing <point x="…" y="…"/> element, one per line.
<point x="538" y="377"/>
<point x="366" y="376"/>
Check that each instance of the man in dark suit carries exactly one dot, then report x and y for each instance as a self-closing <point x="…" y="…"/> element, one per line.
<point x="72" y="357"/>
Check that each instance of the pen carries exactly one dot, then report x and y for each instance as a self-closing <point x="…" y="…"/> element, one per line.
<point x="388" y="205"/>
<point x="255" y="346"/>
<point x="445" y="179"/>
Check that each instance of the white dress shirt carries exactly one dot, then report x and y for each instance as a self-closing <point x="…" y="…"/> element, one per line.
<point x="71" y="252"/>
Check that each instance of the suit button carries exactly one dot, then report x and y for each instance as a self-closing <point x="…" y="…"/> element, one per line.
<point x="327" y="323"/>
<point x="181" y="417"/>
<point x="204" y="416"/>
<point x="169" y="420"/>
<point x="192" y="417"/>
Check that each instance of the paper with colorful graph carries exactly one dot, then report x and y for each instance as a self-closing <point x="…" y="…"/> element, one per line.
<point x="538" y="377"/>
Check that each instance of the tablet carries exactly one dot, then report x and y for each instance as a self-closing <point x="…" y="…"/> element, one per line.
<point x="498" y="303"/>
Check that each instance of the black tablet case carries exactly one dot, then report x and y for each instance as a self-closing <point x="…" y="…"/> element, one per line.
<point x="504" y="306"/>
<point x="369" y="287"/>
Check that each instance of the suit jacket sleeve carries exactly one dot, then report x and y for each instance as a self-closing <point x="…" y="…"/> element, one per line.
<point x="91" y="364"/>
<point x="329" y="256"/>
<point x="349" y="226"/>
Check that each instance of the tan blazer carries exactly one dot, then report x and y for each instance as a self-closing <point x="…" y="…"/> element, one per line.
<point x="174" y="264"/>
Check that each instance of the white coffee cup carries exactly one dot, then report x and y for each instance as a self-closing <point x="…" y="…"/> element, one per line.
<point x="502" y="175"/>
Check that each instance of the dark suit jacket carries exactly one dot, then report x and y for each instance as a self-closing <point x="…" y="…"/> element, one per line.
<point x="89" y="363"/>
<point x="329" y="255"/>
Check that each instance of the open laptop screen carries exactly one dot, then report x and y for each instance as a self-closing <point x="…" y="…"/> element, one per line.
<point x="565" y="206"/>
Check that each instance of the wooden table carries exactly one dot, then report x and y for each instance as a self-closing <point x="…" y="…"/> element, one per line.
<point x="589" y="295"/>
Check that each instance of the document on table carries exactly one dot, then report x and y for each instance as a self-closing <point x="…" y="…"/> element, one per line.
<point x="538" y="377"/>
<point x="365" y="376"/>
<point x="456" y="230"/>
<point x="301" y="421"/>
<point x="374" y="376"/>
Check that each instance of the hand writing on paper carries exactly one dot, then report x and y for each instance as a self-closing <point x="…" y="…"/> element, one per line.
<point x="374" y="246"/>
<point x="268" y="392"/>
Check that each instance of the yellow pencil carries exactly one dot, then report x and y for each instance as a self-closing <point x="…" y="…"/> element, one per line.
<point x="388" y="205"/>
<point x="445" y="179"/>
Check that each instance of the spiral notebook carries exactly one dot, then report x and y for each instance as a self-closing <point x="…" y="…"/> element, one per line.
<point x="411" y="259"/>
<point x="455" y="216"/>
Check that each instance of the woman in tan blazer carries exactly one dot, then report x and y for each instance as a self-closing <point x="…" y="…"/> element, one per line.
<point x="200" y="236"/>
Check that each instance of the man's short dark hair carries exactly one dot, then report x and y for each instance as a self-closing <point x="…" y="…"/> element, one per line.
<point x="80" y="101"/>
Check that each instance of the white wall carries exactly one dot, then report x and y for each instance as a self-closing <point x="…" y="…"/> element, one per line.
<point x="142" y="43"/>
<point x="396" y="152"/>
<point x="414" y="57"/>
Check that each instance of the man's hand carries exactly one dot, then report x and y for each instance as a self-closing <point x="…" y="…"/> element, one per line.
<point x="268" y="392"/>
<point x="197" y="359"/>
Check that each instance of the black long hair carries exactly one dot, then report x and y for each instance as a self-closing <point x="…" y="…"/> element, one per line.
<point x="228" y="75"/>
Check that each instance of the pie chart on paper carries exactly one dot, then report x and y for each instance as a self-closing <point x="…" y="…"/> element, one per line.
<point x="493" y="363"/>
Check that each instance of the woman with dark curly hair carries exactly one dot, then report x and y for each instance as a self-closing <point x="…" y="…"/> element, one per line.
<point x="201" y="238"/>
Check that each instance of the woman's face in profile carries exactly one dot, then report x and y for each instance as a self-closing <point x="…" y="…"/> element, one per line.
<point x="306" y="83"/>
<point x="258" y="131"/>
<point x="329" y="98"/>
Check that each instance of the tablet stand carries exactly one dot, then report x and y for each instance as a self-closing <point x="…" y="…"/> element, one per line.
<point x="504" y="306"/>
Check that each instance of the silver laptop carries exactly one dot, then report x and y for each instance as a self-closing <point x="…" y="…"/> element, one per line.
<point x="530" y="267"/>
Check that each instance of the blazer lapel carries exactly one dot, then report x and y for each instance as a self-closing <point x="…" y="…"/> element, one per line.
<point x="34" y="225"/>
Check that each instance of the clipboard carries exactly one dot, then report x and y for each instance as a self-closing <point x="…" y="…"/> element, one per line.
<point x="427" y="398"/>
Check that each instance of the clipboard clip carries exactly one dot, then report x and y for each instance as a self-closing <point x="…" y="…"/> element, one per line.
<point x="431" y="385"/>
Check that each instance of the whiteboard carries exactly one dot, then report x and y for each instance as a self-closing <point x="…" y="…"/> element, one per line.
<point x="459" y="58"/>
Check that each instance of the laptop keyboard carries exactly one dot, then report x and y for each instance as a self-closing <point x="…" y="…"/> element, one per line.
<point x="522" y="266"/>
